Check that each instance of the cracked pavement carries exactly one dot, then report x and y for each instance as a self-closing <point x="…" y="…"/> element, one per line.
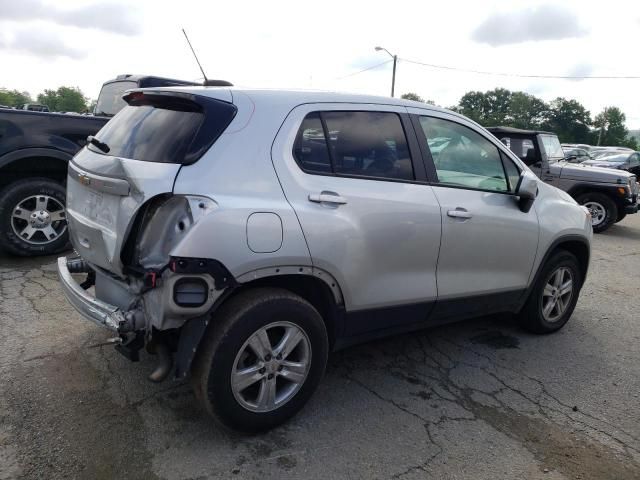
<point x="479" y="400"/>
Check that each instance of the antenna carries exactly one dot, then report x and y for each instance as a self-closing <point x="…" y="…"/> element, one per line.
<point x="196" y="57"/>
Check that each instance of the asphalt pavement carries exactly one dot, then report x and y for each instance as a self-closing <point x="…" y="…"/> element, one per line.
<point x="475" y="400"/>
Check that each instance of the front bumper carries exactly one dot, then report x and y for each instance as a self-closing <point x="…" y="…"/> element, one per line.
<point x="631" y="208"/>
<point x="91" y="308"/>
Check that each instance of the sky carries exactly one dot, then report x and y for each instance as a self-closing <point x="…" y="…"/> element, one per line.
<point x="321" y="45"/>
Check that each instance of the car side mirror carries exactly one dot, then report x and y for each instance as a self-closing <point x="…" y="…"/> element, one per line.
<point x="526" y="190"/>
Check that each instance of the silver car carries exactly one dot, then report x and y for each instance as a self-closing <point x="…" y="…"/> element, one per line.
<point x="241" y="235"/>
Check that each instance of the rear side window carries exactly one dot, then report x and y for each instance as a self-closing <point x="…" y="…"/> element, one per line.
<point x="310" y="148"/>
<point x="363" y="144"/>
<point x="165" y="128"/>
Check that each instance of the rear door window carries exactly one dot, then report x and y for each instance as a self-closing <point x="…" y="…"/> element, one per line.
<point x="310" y="148"/>
<point x="363" y="144"/>
<point x="165" y="128"/>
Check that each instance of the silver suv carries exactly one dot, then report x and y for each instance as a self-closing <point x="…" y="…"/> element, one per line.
<point x="242" y="235"/>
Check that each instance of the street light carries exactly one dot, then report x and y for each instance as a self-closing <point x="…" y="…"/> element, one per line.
<point x="395" y="60"/>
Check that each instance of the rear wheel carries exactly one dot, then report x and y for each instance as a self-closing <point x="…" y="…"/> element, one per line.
<point x="32" y="217"/>
<point x="554" y="296"/>
<point x="262" y="359"/>
<point x="604" y="211"/>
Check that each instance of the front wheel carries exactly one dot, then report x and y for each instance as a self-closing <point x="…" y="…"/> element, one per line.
<point x="261" y="360"/>
<point x="554" y="295"/>
<point x="32" y="217"/>
<point x="604" y="211"/>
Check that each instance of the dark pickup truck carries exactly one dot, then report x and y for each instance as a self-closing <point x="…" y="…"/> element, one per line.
<point x="35" y="148"/>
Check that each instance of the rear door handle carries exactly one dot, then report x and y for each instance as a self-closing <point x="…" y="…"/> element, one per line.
<point x="459" y="213"/>
<point x="327" y="197"/>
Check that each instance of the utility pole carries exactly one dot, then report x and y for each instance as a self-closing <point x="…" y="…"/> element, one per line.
<point x="393" y="78"/>
<point x="395" y="61"/>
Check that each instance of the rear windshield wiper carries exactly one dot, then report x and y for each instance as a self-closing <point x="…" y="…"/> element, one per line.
<point x="101" y="145"/>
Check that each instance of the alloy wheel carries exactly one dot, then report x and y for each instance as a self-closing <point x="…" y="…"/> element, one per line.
<point x="557" y="294"/>
<point x="39" y="219"/>
<point x="271" y="367"/>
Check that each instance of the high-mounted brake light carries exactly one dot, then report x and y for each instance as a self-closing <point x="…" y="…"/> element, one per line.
<point x="133" y="97"/>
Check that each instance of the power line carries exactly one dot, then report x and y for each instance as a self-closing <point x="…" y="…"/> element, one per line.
<point x="503" y="74"/>
<point x="364" y="69"/>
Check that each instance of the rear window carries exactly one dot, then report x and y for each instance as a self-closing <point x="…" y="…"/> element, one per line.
<point x="165" y="128"/>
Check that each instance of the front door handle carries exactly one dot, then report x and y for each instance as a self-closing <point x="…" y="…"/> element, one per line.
<point x="459" y="213"/>
<point x="327" y="197"/>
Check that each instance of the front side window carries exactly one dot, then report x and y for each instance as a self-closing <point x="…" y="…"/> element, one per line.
<point x="635" y="159"/>
<point x="463" y="157"/>
<point x="363" y="144"/>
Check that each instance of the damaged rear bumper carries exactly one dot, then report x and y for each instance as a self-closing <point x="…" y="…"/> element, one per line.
<point x="99" y="312"/>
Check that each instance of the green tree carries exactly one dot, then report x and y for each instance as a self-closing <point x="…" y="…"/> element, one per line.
<point x="412" y="96"/>
<point x="416" y="98"/>
<point x="489" y="108"/>
<point x="14" y="98"/>
<point x="526" y="111"/>
<point x="64" y="99"/>
<point x="569" y="120"/>
<point x="610" y="127"/>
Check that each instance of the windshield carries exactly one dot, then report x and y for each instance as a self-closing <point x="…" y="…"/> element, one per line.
<point x="552" y="147"/>
<point x="110" y="99"/>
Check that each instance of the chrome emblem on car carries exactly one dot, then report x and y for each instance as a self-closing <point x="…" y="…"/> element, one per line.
<point x="84" y="179"/>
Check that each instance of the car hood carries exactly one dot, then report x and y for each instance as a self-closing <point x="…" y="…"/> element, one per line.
<point x="590" y="173"/>
<point x="603" y="164"/>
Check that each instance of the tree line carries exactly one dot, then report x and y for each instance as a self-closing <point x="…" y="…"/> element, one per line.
<point x="63" y="99"/>
<point x="567" y="118"/>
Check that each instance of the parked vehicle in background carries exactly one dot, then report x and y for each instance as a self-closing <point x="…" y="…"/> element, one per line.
<point x="34" y="107"/>
<point x="35" y="148"/>
<point x="609" y="194"/>
<point x="583" y="146"/>
<point x="600" y="152"/>
<point x="621" y="161"/>
<point x="576" y="155"/>
<point x="250" y="232"/>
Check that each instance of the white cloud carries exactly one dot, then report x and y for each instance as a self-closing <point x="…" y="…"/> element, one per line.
<point x="543" y="22"/>
<point x="308" y="46"/>
<point x="41" y="43"/>
<point x="109" y="17"/>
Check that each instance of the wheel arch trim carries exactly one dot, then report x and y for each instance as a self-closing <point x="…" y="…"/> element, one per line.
<point x="554" y="246"/>
<point x="24" y="153"/>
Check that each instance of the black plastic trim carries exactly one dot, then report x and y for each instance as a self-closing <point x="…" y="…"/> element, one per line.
<point x="554" y="245"/>
<point x="190" y="280"/>
<point x="222" y="278"/>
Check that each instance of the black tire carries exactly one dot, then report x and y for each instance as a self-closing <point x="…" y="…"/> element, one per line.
<point x="531" y="316"/>
<point x="236" y="321"/>
<point x="10" y="199"/>
<point x="610" y="208"/>
<point x="621" y="216"/>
